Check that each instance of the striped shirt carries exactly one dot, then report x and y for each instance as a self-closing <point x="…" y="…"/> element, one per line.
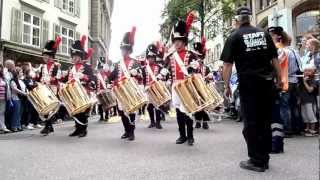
<point x="294" y="64"/>
<point x="2" y="89"/>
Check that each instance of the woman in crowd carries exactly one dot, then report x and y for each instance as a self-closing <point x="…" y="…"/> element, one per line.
<point x="3" y="127"/>
<point x="18" y="92"/>
<point x="314" y="48"/>
<point x="308" y="92"/>
<point x="31" y="113"/>
<point x="304" y="50"/>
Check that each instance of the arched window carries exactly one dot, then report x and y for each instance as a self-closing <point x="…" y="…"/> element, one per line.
<point x="307" y="22"/>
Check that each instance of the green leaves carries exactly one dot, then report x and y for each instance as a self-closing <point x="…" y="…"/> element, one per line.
<point x="211" y="14"/>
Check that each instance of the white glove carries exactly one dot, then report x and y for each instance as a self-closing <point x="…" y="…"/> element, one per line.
<point x="109" y="86"/>
<point x="159" y="76"/>
<point x="106" y="67"/>
<point x="133" y="72"/>
<point x="79" y="75"/>
<point x="164" y="72"/>
<point x="195" y="64"/>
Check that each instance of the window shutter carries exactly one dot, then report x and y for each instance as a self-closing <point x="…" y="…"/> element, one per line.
<point x="77" y="36"/>
<point x="45" y="32"/>
<point x="77" y="8"/>
<point x="16" y="25"/>
<point x="56" y="32"/>
<point x="57" y="3"/>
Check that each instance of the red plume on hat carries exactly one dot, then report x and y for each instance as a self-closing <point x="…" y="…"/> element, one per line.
<point x="189" y="20"/>
<point x="83" y="40"/>
<point x="88" y="53"/>
<point x="57" y="42"/>
<point x="203" y="43"/>
<point x="132" y="34"/>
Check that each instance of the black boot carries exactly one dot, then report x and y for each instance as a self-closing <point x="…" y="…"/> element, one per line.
<point x="83" y="132"/>
<point x="151" y="125"/>
<point x="248" y="165"/>
<point x="131" y="136"/>
<point x="158" y="125"/>
<point x="181" y="140"/>
<point x="205" y="125"/>
<point x="198" y="125"/>
<point x="125" y="135"/>
<point x="190" y="141"/>
<point x="76" y="132"/>
<point x="46" y="130"/>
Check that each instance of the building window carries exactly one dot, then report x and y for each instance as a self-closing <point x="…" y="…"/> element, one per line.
<point x="31" y="29"/>
<point x="306" y="22"/>
<point x="217" y="52"/>
<point x="68" y="6"/>
<point x="67" y="35"/>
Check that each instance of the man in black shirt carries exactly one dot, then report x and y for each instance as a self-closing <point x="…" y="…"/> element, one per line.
<point x="255" y="57"/>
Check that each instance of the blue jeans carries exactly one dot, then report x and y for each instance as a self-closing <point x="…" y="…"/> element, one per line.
<point x="285" y="113"/>
<point x="16" y="114"/>
<point x="8" y="113"/>
<point x="290" y="111"/>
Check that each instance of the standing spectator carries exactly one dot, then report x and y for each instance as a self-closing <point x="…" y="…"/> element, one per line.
<point x="24" y="108"/>
<point x="17" y="92"/>
<point x="314" y="48"/>
<point x="308" y="101"/>
<point x="305" y="50"/>
<point x="8" y="75"/>
<point x="3" y="127"/>
<point x="31" y="115"/>
<point x="290" y="64"/>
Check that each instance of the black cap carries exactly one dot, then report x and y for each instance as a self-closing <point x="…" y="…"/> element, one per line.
<point x="152" y="51"/>
<point x="77" y="49"/>
<point x="243" y="11"/>
<point x="180" y="31"/>
<point x="275" y="29"/>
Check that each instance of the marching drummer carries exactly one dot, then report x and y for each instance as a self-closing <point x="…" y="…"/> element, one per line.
<point x="84" y="73"/>
<point x="102" y="77"/>
<point x="125" y="68"/>
<point x="178" y="63"/>
<point x="151" y="55"/>
<point x="49" y="75"/>
<point x="200" y="52"/>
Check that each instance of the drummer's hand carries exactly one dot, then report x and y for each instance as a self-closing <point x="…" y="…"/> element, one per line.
<point x="133" y="72"/>
<point x="159" y="76"/>
<point x="227" y="91"/>
<point x="195" y="64"/>
<point x="280" y="84"/>
<point x="109" y="86"/>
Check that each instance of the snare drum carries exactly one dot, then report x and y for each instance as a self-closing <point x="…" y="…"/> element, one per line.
<point x="43" y="99"/>
<point x="75" y="97"/>
<point x="158" y="93"/>
<point x="129" y="95"/>
<point x="194" y="93"/>
<point x="107" y="99"/>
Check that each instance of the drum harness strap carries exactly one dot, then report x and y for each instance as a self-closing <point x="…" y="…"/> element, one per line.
<point x="79" y="122"/>
<point x="50" y="114"/>
<point x="127" y="75"/>
<point x="153" y="77"/>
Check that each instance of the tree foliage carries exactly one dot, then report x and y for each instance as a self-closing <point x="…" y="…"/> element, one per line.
<point x="211" y="14"/>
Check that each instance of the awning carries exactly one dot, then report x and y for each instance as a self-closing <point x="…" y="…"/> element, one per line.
<point x="31" y="54"/>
